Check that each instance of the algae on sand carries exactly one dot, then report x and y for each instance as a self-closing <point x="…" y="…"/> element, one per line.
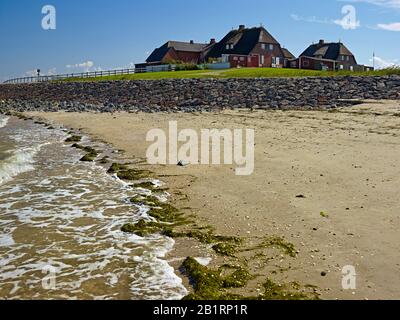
<point x="73" y="138"/>
<point x="211" y="284"/>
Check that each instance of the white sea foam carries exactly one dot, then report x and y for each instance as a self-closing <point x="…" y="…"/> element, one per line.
<point x="3" y="122"/>
<point x="204" y="261"/>
<point x="20" y="161"/>
<point x="6" y="240"/>
<point x="79" y="202"/>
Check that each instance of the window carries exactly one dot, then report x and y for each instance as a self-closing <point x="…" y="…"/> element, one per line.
<point x="306" y="63"/>
<point x="348" y="58"/>
<point x="263" y="46"/>
<point x="271" y="47"/>
<point x="343" y="58"/>
<point x="277" y="60"/>
<point x="241" y="58"/>
<point x="341" y="67"/>
<point x="351" y="68"/>
<point x="262" y="60"/>
<point x="235" y="58"/>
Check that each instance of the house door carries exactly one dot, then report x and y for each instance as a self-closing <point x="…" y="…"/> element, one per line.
<point x="262" y="60"/>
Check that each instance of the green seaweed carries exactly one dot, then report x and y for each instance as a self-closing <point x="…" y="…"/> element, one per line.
<point x="273" y="291"/>
<point x="91" y="153"/>
<point x="207" y="284"/>
<point x="104" y="160"/>
<point x="132" y="174"/>
<point x="281" y="243"/>
<point x="166" y="213"/>
<point x="74" y="139"/>
<point x="225" y="249"/>
<point x="210" y="284"/>
<point x="145" y="185"/>
<point x="238" y="279"/>
<point x="142" y="228"/>
<point x="86" y="149"/>
<point x="115" y="167"/>
<point x="124" y="173"/>
<point x="324" y="215"/>
<point x="89" y="157"/>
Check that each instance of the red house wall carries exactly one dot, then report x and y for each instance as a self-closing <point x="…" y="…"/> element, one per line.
<point x="311" y="64"/>
<point x="244" y="61"/>
<point x="181" y="56"/>
<point x="170" y="56"/>
<point x="189" y="57"/>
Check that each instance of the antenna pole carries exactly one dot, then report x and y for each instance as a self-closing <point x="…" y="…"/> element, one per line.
<point x="373" y="59"/>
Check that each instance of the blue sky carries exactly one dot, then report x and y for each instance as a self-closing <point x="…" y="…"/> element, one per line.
<point x="104" y="34"/>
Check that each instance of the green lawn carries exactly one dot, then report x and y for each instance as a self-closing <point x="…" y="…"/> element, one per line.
<point x="238" y="73"/>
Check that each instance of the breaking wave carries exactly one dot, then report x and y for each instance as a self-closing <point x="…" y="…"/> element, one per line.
<point x="20" y="161"/>
<point x="3" y="122"/>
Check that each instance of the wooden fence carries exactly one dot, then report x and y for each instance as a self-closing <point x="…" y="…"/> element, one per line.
<point x="93" y="74"/>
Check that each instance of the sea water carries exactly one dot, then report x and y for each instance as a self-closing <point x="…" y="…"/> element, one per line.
<point x="60" y="223"/>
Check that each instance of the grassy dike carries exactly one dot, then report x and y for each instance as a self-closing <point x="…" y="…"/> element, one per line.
<point x="221" y="282"/>
<point x="238" y="73"/>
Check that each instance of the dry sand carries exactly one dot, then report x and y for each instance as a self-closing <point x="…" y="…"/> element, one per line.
<point x="345" y="163"/>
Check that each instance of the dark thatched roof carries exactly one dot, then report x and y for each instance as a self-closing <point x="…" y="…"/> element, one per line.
<point x="243" y="40"/>
<point x="330" y="51"/>
<point x="287" y="54"/>
<point x="158" y="54"/>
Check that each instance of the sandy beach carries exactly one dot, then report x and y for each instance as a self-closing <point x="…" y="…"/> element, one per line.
<point x="326" y="181"/>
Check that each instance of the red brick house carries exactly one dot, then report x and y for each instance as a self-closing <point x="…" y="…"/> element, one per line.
<point x="177" y="51"/>
<point x="288" y="56"/>
<point x="334" y="56"/>
<point x="248" y="47"/>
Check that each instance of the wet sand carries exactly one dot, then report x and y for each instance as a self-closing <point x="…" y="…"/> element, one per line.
<point x="326" y="181"/>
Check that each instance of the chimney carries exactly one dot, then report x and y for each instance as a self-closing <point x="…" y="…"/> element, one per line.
<point x="191" y="41"/>
<point x="321" y="42"/>
<point x="242" y="27"/>
<point x="213" y="41"/>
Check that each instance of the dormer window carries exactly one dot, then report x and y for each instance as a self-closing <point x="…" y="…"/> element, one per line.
<point x="229" y="46"/>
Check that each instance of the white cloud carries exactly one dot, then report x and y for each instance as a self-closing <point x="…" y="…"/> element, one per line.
<point x="390" y="26"/>
<point x="344" y="23"/>
<point x="130" y="65"/>
<point x="33" y="73"/>
<point x="84" y="65"/>
<point x="312" y="19"/>
<point x="382" y="3"/>
<point x="348" y="25"/>
<point x="381" y="63"/>
<point x="52" y="72"/>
